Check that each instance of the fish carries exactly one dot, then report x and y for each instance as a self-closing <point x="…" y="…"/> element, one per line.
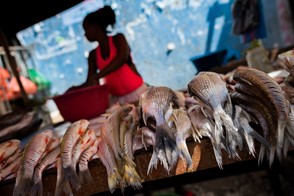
<point x="272" y="90"/>
<point x="48" y="160"/>
<point x="11" y="168"/>
<point x="211" y="89"/>
<point x="155" y="103"/>
<point x="110" y="130"/>
<point x="8" y="148"/>
<point x="204" y="125"/>
<point x="32" y="154"/>
<point x="54" y="142"/>
<point x="286" y="60"/>
<point x="147" y="137"/>
<point x="86" y="156"/>
<point x="84" y="142"/>
<point x="62" y="185"/>
<point x="184" y="130"/>
<point x="10" y="159"/>
<point x="70" y="138"/>
<point x="107" y="157"/>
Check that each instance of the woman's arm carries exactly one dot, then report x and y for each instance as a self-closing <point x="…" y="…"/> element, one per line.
<point x="123" y="51"/>
<point x="92" y="69"/>
<point x="92" y="72"/>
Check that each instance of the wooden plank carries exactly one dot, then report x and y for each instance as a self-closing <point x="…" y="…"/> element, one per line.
<point x="202" y="155"/>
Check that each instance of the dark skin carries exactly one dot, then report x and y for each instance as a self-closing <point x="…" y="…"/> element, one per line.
<point x="93" y="32"/>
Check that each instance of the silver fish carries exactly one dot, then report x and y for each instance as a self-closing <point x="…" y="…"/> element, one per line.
<point x="155" y="102"/>
<point x="210" y="88"/>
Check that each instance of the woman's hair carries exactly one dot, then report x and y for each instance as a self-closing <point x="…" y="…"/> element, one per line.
<point x="103" y="17"/>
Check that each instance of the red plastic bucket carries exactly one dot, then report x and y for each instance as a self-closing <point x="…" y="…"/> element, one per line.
<point x="85" y="103"/>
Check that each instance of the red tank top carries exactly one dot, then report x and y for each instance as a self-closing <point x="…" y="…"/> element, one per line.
<point x="123" y="80"/>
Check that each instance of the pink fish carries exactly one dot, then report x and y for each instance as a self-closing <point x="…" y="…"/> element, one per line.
<point x="62" y="185"/>
<point x="87" y="155"/>
<point x="85" y="141"/>
<point x="8" y="148"/>
<point x="32" y="154"/>
<point x="10" y="159"/>
<point x="70" y="138"/>
<point x="11" y="168"/>
<point x="46" y="161"/>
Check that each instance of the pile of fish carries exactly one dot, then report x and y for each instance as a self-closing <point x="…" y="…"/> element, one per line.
<point x="233" y="114"/>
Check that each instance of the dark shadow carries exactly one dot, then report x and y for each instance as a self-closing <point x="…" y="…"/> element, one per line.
<point x="216" y="11"/>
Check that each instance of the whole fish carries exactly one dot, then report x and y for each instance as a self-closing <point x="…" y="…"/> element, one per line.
<point x="87" y="155"/>
<point x="32" y="154"/>
<point x="155" y="103"/>
<point x="272" y="90"/>
<point x="210" y="88"/>
<point x="48" y="160"/>
<point x="110" y="130"/>
<point x="84" y="142"/>
<point x="70" y="138"/>
<point x="184" y="130"/>
<point x="8" y="148"/>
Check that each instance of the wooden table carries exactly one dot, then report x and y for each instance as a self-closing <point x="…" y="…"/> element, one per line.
<point x="202" y="155"/>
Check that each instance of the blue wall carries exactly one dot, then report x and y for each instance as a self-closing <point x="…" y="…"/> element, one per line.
<point x="190" y="27"/>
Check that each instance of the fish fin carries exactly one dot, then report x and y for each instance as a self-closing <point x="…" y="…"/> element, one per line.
<point x="37" y="188"/>
<point x="22" y="187"/>
<point x="85" y="176"/>
<point x="184" y="151"/>
<point x="271" y="156"/>
<point x="163" y="159"/>
<point x="248" y="129"/>
<point x="152" y="162"/>
<point x="72" y="177"/>
<point x="286" y="147"/>
<point x="131" y="177"/>
<point x="113" y="180"/>
<point x="168" y="151"/>
<point x="250" y="143"/>
<point x="281" y="135"/>
<point x="261" y="154"/>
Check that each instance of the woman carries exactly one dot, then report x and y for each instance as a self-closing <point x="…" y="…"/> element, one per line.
<point x="112" y="58"/>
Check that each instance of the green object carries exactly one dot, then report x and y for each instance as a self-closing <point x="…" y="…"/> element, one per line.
<point x="39" y="79"/>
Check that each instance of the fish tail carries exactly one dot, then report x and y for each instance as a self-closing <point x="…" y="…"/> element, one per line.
<point x="113" y="180"/>
<point x="246" y="127"/>
<point x="261" y="154"/>
<point x="168" y="151"/>
<point x="131" y="177"/>
<point x="286" y="146"/>
<point x="250" y="143"/>
<point x="85" y="176"/>
<point x="37" y="188"/>
<point x="184" y="151"/>
<point x="163" y="159"/>
<point x="22" y="187"/>
<point x="221" y="118"/>
<point x="218" y="156"/>
<point x="271" y="156"/>
<point x="152" y="162"/>
<point x="72" y="177"/>
<point x="281" y="135"/>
